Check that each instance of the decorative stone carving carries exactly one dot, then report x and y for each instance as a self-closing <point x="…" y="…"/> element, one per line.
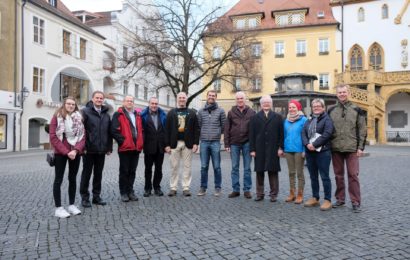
<point x="404" y="54"/>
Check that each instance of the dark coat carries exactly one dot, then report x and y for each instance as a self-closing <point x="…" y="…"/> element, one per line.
<point x="192" y="131"/>
<point x="98" y="129"/>
<point x="265" y="138"/>
<point x="324" y="127"/>
<point x="237" y="126"/>
<point x="154" y="139"/>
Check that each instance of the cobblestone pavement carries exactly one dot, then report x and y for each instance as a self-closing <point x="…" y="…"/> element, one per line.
<point x="204" y="227"/>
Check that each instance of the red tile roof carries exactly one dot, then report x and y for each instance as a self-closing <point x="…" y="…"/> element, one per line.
<point x="104" y="18"/>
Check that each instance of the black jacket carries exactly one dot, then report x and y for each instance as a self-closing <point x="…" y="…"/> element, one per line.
<point x="97" y="128"/>
<point x="324" y="127"/>
<point x="154" y="139"/>
<point x="191" y="134"/>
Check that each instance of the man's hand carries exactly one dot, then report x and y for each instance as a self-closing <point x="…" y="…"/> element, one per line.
<point x="281" y="153"/>
<point x="168" y="149"/>
<point x="194" y="148"/>
<point x="228" y="149"/>
<point x="359" y="153"/>
<point x="253" y="154"/>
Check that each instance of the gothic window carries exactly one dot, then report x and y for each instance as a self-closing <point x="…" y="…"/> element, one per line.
<point x="385" y="11"/>
<point x="360" y="15"/>
<point x="375" y="57"/>
<point x="356" y="58"/>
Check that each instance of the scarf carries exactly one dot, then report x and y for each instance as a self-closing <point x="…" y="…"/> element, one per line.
<point x="294" y="117"/>
<point x="312" y="126"/>
<point x="210" y="107"/>
<point x="71" y="126"/>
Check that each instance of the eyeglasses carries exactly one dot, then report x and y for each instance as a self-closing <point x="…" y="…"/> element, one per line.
<point x="70" y="104"/>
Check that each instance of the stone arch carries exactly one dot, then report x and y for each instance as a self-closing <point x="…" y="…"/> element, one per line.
<point x="397" y="116"/>
<point x="375" y="57"/>
<point x="356" y="57"/>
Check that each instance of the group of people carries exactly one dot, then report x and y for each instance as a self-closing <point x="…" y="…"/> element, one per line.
<point x="338" y="135"/>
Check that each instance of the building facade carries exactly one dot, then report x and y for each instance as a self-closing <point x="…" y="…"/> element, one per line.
<point x="297" y="36"/>
<point x="375" y="38"/>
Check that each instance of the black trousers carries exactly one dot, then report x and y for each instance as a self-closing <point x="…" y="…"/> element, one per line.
<point x="92" y="161"/>
<point x="73" y="165"/>
<point x="128" y="168"/>
<point x="149" y="161"/>
<point x="273" y="184"/>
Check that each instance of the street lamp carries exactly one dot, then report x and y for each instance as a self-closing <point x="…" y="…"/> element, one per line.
<point x="23" y="95"/>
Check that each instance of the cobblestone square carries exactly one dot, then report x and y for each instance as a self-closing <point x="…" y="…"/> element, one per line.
<point x="203" y="227"/>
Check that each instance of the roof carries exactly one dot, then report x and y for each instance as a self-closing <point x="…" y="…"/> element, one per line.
<point x="63" y="12"/>
<point x="104" y="18"/>
<point x="296" y="75"/>
<point x="346" y="2"/>
<point x="268" y="7"/>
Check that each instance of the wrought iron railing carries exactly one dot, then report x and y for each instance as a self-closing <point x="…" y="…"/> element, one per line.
<point x="398" y="136"/>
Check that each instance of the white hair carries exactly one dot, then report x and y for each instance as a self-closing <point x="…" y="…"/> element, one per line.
<point x="266" y="98"/>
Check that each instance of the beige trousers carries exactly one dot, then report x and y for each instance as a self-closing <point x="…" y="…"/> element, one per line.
<point x="181" y="152"/>
<point x="295" y="165"/>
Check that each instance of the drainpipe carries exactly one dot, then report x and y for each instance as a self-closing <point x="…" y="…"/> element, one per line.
<point x="343" y="28"/>
<point x="15" y="76"/>
<point x="22" y="70"/>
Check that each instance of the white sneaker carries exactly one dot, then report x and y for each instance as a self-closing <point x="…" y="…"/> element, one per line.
<point x="61" y="213"/>
<point x="73" y="210"/>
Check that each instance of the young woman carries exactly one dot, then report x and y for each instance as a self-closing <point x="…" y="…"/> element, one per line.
<point x="67" y="137"/>
<point x="294" y="150"/>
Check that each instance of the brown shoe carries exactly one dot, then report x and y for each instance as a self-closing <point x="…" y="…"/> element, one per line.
<point x="247" y="194"/>
<point x="234" y="194"/>
<point x="172" y="193"/>
<point x="186" y="193"/>
<point x="273" y="199"/>
<point x="259" y="198"/>
<point x="326" y="205"/>
<point x="291" y="196"/>
<point x="299" y="197"/>
<point x="312" y="202"/>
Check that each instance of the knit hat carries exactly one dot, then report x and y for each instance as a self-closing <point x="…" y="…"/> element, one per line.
<point x="296" y="103"/>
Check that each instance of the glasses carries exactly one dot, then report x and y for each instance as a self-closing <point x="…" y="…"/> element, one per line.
<point x="70" y="104"/>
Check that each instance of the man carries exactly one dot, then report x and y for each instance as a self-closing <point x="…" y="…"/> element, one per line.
<point x="348" y="143"/>
<point x="153" y="122"/>
<point x="182" y="138"/>
<point x="211" y="121"/>
<point x="236" y="139"/>
<point x="98" y="143"/>
<point x="266" y="146"/>
<point x="127" y="131"/>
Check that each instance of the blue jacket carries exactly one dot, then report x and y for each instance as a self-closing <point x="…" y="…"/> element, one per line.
<point x="161" y="113"/>
<point x="293" y="135"/>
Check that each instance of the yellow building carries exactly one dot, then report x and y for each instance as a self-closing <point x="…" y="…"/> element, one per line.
<point x="298" y="36"/>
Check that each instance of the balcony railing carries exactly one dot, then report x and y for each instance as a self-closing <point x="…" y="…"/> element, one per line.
<point x="398" y="136"/>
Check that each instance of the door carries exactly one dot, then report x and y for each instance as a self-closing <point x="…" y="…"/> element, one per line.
<point x="34" y="133"/>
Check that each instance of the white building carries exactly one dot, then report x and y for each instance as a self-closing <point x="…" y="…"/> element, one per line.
<point x="375" y="39"/>
<point x="62" y="57"/>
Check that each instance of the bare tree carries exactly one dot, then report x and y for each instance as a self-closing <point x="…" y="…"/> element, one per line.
<point x="188" y="47"/>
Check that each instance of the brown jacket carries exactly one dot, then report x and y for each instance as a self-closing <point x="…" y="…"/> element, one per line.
<point x="237" y="126"/>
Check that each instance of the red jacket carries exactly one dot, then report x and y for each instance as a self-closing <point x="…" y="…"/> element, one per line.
<point x="63" y="147"/>
<point x="124" y="133"/>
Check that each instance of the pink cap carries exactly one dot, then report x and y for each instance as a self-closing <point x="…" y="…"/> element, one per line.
<point x="296" y="103"/>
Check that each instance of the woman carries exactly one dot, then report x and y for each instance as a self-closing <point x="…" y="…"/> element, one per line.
<point x="67" y="137"/>
<point x="294" y="150"/>
<point x="316" y="136"/>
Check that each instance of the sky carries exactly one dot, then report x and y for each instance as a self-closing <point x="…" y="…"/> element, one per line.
<point x="108" y="5"/>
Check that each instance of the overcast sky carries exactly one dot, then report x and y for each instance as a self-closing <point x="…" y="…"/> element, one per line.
<point x="108" y="5"/>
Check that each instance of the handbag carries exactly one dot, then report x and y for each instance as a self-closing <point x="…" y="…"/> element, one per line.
<point x="50" y="159"/>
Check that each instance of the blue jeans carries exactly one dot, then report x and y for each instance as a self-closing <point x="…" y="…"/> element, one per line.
<point x="235" y="158"/>
<point x="319" y="163"/>
<point x="210" y="149"/>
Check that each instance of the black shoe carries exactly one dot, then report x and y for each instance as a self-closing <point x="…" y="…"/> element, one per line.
<point x="147" y="193"/>
<point x="125" y="198"/>
<point x="186" y="193"/>
<point x="86" y="204"/>
<point x="338" y="204"/>
<point x="356" y="208"/>
<point x="159" y="192"/>
<point x="258" y="198"/>
<point x="99" y="201"/>
<point x="132" y="197"/>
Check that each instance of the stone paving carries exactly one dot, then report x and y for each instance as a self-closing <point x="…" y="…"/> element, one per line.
<point x="204" y="227"/>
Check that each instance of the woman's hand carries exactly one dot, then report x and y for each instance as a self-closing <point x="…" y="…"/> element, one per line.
<point x="72" y="154"/>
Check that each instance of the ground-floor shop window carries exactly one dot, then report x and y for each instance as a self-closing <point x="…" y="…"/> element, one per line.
<point x="74" y="87"/>
<point x="3" y="131"/>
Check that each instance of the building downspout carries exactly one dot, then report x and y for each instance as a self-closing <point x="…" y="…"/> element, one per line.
<point x="22" y="70"/>
<point x="343" y="28"/>
<point x="15" y="77"/>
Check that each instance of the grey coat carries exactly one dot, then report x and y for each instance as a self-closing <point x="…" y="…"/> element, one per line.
<point x="211" y="123"/>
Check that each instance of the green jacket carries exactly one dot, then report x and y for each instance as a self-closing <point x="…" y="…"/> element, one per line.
<point x="350" y="127"/>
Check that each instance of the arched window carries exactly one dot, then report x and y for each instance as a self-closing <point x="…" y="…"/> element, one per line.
<point x="385" y="11"/>
<point x="360" y="15"/>
<point x="375" y="57"/>
<point x="356" y="58"/>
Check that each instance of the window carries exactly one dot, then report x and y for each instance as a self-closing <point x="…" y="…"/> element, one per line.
<point x="216" y="53"/>
<point x="136" y="90"/>
<point x="38" y="80"/>
<point x="168" y="99"/>
<point x="237" y="84"/>
<point x="256" y="84"/>
<point x="75" y="87"/>
<point x="145" y="93"/>
<point x="296" y="18"/>
<point x="83" y="49"/>
<point x="252" y="23"/>
<point x="323" y="46"/>
<point x="356" y="58"/>
<point x="217" y="85"/>
<point x="236" y="51"/>
<point x="282" y="20"/>
<point x="360" y="15"/>
<point x="323" y="81"/>
<point x="53" y="2"/>
<point x="300" y="48"/>
<point x="293" y="18"/>
<point x="125" y="53"/>
<point x="66" y="42"/>
<point x="375" y="57"/>
<point x="256" y="50"/>
<point x="125" y="87"/>
<point x="157" y="94"/>
<point x="240" y="23"/>
<point x="279" y="49"/>
<point x="38" y="30"/>
<point x="385" y="11"/>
